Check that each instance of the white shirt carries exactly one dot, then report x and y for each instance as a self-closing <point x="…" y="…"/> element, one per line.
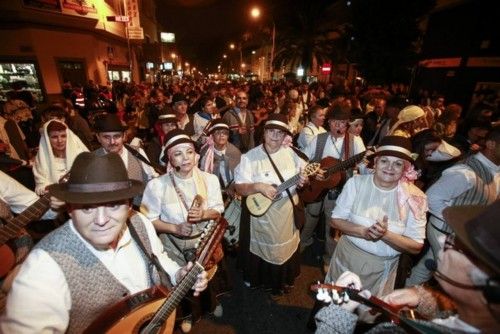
<point x="160" y="200"/>
<point x="308" y="133"/>
<point x="455" y="181"/>
<point x="333" y="147"/>
<point x="40" y="301"/>
<point x="199" y="124"/>
<point x="363" y="203"/>
<point x="255" y="167"/>
<point x="18" y="197"/>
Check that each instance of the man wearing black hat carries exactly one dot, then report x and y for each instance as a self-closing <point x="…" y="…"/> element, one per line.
<point x="110" y="133"/>
<point x="467" y="269"/>
<point x="339" y="144"/>
<point x="180" y="107"/>
<point x="94" y="260"/>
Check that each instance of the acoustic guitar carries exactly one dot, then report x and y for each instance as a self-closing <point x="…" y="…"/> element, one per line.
<point x="258" y="204"/>
<point x="316" y="189"/>
<point x="152" y="310"/>
<point x="11" y="229"/>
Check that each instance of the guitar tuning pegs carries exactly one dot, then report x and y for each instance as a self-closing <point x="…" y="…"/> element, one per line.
<point x="327" y="299"/>
<point x="335" y="296"/>
<point x="346" y="298"/>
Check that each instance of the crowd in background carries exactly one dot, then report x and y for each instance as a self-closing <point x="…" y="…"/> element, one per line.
<point x="427" y="155"/>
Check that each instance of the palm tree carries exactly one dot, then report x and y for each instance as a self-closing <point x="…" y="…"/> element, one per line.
<point x="305" y="34"/>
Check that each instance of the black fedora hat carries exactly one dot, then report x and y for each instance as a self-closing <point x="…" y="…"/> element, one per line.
<point x="109" y="123"/>
<point x="277" y="121"/>
<point x="95" y="179"/>
<point x="476" y="226"/>
<point x="395" y="146"/>
<point x="340" y="113"/>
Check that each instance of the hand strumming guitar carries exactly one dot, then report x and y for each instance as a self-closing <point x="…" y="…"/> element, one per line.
<point x="267" y="190"/>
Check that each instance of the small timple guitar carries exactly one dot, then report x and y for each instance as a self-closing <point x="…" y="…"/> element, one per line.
<point x="258" y="204"/>
<point x="152" y="310"/>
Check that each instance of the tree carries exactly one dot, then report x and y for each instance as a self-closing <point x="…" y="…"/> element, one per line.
<point x="385" y="36"/>
<point x="305" y="32"/>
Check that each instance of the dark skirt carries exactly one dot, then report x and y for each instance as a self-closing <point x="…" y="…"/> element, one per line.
<point x="260" y="273"/>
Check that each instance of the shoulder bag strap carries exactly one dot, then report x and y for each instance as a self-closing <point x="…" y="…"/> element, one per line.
<point x="138" y="155"/>
<point x="320" y="145"/>
<point x="153" y="259"/>
<point x="278" y="173"/>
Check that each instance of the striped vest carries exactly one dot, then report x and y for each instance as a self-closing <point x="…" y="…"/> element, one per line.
<point x="484" y="190"/>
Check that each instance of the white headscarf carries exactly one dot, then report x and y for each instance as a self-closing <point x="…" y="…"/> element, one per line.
<point x="44" y="169"/>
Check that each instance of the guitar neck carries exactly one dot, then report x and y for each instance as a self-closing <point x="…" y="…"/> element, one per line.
<point x="288" y="183"/>
<point x="174" y="298"/>
<point x="33" y="212"/>
<point x="346" y="163"/>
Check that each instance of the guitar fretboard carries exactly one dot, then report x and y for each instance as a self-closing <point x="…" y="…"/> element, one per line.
<point x="288" y="183"/>
<point x="33" y="212"/>
<point x="174" y="299"/>
<point x="346" y="163"/>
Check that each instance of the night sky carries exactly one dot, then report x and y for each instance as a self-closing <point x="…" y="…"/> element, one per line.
<point x="204" y="28"/>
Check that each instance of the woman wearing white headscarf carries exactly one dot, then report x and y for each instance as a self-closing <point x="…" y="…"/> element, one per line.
<point x="58" y="148"/>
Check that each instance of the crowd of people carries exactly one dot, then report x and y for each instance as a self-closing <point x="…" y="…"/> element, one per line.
<point x="135" y="173"/>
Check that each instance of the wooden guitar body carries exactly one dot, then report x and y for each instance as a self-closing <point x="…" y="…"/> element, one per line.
<point x="258" y="204"/>
<point x="133" y="313"/>
<point x="8" y="260"/>
<point x="315" y="190"/>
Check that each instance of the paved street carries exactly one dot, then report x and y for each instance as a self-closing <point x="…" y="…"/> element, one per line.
<point x="255" y="311"/>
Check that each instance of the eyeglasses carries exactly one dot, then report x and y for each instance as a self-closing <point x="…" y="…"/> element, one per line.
<point x="275" y="132"/>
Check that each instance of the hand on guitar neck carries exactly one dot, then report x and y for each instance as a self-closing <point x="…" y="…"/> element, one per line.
<point x="201" y="280"/>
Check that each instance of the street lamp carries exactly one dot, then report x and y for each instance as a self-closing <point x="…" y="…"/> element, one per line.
<point x="255" y="13"/>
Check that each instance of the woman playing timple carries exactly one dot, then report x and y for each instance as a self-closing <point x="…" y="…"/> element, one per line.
<point x="270" y="246"/>
<point x="167" y="202"/>
<point x="380" y="216"/>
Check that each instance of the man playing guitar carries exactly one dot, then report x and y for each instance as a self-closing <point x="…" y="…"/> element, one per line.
<point x="93" y="260"/>
<point x="336" y="143"/>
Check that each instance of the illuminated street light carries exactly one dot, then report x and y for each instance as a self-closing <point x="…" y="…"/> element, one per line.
<point x="232" y="46"/>
<point x="243" y="65"/>
<point x="224" y="56"/>
<point x="173" y="55"/>
<point x="186" y="64"/>
<point x="255" y="12"/>
<point x="254" y="52"/>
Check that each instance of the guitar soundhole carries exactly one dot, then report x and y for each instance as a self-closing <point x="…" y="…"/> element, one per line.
<point x="143" y="322"/>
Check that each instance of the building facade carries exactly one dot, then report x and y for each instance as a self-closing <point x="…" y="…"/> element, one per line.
<point x="47" y="43"/>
